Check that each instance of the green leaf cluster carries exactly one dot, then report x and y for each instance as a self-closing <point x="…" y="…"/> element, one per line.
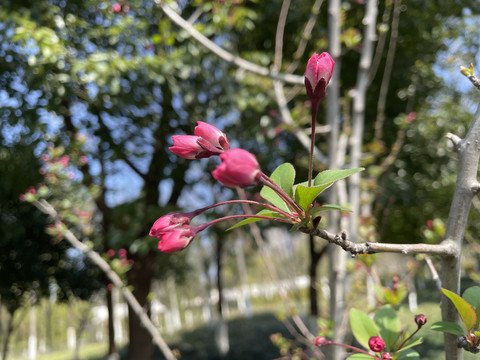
<point x="387" y="326"/>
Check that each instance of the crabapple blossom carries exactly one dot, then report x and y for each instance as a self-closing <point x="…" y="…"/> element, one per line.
<point x="238" y="168"/>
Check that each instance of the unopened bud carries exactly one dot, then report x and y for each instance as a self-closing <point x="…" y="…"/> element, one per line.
<point x="420" y="320"/>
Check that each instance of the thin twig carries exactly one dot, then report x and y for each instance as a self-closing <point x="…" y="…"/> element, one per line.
<point x="306" y="35"/>
<point x="387" y="72"/>
<point x="224" y="54"/>
<point x="435" y="276"/>
<point x="48" y="209"/>
<point x="446" y="248"/>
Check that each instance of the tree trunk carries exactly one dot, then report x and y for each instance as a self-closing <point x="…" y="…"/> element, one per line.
<point x="140" y="278"/>
<point x="8" y="335"/>
<point x="112" y="349"/>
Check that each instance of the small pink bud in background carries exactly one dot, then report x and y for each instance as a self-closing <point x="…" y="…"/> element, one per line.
<point x="387" y="356"/>
<point x="110" y="253"/>
<point x="31" y="190"/>
<point x="317" y="75"/>
<point x="376" y="344"/>
<point x="213" y="135"/>
<point x="116" y="7"/>
<point x="321" y="341"/>
<point x="420" y="320"/>
<point x="411" y="117"/>
<point x="238" y="168"/>
<point x="395" y="279"/>
<point x="122" y="253"/>
<point x="83" y="159"/>
<point x="429" y="224"/>
<point x="110" y="287"/>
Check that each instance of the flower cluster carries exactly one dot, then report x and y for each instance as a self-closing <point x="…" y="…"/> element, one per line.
<point x="240" y="168"/>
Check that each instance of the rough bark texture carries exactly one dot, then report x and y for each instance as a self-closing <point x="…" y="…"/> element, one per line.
<point x="468" y="156"/>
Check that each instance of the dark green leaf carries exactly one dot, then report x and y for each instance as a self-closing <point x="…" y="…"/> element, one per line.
<point x="448" y="327"/>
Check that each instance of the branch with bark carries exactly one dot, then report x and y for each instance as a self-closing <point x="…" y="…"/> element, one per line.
<point x="157" y="339"/>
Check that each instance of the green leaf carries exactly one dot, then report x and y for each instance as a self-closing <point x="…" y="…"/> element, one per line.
<point x="305" y="195"/>
<point x="472" y="296"/>
<point x="314" y="211"/>
<point x="264" y="212"/>
<point x="448" y="327"/>
<point x="468" y="315"/>
<point x="302" y="223"/>
<point x="412" y="344"/>
<point x="330" y="176"/>
<point x="283" y="176"/>
<point x="363" y="327"/>
<point x="409" y="355"/>
<point x="388" y="324"/>
<point x="360" y="357"/>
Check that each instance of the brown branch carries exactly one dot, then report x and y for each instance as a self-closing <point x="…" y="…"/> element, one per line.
<point x="48" y="209"/>
<point x="446" y="248"/>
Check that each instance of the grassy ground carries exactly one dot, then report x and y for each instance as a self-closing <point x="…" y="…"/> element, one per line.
<point x="250" y="339"/>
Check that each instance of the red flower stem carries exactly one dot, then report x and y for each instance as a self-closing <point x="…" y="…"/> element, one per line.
<point x="203" y="226"/>
<point x="312" y="142"/>
<point x="408" y="338"/>
<point x="268" y="206"/>
<point x="265" y="180"/>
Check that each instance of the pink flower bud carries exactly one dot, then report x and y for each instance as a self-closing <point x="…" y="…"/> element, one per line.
<point x="387" y="356"/>
<point x="321" y="341"/>
<point x="238" y="168"/>
<point x="214" y="136"/>
<point x="186" y="146"/>
<point x="110" y="253"/>
<point x="317" y="75"/>
<point x="116" y="7"/>
<point x="176" y="240"/>
<point x="376" y="344"/>
<point x="429" y="224"/>
<point x="169" y="222"/>
<point x="122" y="253"/>
<point x="420" y="320"/>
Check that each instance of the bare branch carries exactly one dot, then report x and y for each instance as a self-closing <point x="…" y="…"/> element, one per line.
<point x="282" y="19"/>
<point x="48" y="209"/>
<point x="434" y="272"/>
<point x="306" y="35"/>
<point x="446" y="249"/>
<point x="476" y="188"/>
<point x="454" y="139"/>
<point x="224" y="54"/>
<point x="475" y="81"/>
<point x="387" y="73"/>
